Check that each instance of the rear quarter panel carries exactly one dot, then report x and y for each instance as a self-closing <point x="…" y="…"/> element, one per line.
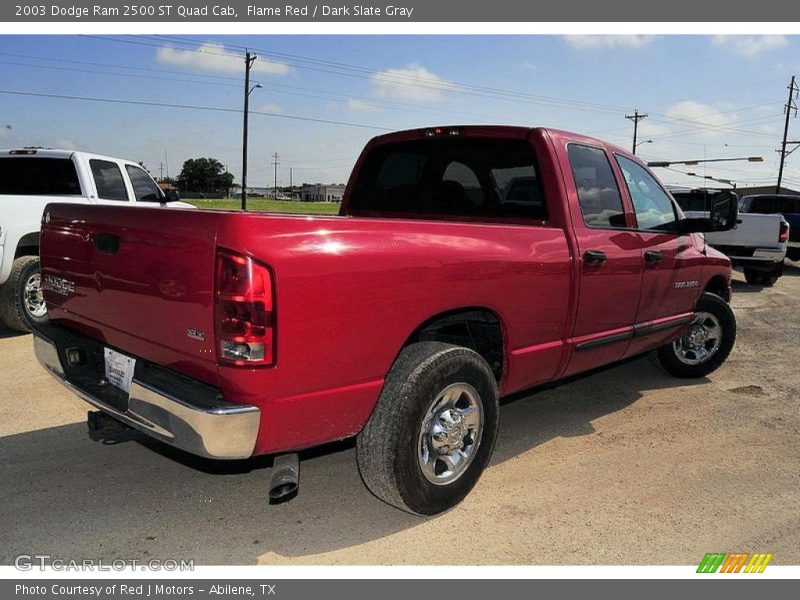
<point x="351" y="291"/>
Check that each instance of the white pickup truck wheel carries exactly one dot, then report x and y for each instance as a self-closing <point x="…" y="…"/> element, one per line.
<point x="21" y="303"/>
<point x="433" y="430"/>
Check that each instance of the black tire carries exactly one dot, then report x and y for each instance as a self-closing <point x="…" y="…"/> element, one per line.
<point x="763" y="278"/>
<point x="668" y="356"/>
<point x="388" y="446"/>
<point x="13" y="308"/>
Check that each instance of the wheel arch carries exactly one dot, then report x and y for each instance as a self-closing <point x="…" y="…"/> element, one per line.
<point x="28" y="245"/>
<point x="476" y="327"/>
<point x="719" y="286"/>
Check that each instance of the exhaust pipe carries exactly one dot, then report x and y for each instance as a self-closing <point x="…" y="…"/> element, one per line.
<point x="285" y="478"/>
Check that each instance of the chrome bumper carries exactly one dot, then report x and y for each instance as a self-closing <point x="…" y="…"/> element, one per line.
<point x="761" y="255"/>
<point x="216" y="429"/>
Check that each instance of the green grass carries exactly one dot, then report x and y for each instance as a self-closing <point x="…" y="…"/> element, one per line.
<point x="265" y="205"/>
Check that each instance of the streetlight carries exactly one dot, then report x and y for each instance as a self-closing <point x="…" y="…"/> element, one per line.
<point x="643" y="142"/>
<point x="249" y="59"/>
<point x="668" y="163"/>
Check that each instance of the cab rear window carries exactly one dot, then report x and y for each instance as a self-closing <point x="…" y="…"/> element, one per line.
<point x="35" y="176"/>
<point x="451" y="177"/>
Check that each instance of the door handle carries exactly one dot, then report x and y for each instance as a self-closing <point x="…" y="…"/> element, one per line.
<point x="594" y="257"/>
<point x="651" y="257"/>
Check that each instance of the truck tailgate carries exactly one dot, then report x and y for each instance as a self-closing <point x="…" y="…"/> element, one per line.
<point x="754" y="231"/>
<point x="137" y="278"/>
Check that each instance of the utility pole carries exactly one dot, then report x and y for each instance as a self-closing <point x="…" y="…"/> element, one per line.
<point x="636" y="117"/>
<point x="790" y="106"/>
<point x="275" y="164"/>
<point x="161" y="171"/>
<point x="249" y="59"/>
<point x="291" y="182"/>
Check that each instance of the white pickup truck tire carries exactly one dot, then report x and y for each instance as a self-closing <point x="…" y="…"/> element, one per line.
<point x="21" y="302"/>
<point x="765" y="278"/>
<point x="433" y="430"/>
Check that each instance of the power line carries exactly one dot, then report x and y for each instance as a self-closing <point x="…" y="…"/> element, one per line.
<point x="400" y="79"/>
<point x="192" y="107"/>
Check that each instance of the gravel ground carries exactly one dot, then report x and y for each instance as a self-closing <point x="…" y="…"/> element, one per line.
<point x="626" y="466"/>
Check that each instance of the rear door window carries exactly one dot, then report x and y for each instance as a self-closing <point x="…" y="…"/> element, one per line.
<point x="598" y="194"/>
<point x="108" y="180"/>
<point x="36" y="176"/>
<point x="481" y="177"/>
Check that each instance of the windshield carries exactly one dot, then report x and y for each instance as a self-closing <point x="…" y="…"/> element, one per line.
<point x="26" y="176"/>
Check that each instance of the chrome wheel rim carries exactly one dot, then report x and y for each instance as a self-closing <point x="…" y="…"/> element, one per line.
<point x="33" y="298"/>
<point x="450" y="434"/>
<point x="702" y="340"/>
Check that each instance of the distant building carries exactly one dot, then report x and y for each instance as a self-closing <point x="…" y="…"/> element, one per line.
<point x="321" y="193"/>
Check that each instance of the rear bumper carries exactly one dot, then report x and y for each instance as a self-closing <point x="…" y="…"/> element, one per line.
<point x="167" y="406"/>
<point x="760" y="255"/>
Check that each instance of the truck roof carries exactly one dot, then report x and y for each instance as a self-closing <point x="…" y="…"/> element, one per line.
<point x="506" y="131"/>
<point x="55" y="153"/>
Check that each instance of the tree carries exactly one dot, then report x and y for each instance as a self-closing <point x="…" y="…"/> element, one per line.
<point x="207" y="175"/>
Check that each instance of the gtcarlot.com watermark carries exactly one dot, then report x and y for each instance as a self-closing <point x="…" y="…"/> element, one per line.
<point x="42" y="562"/>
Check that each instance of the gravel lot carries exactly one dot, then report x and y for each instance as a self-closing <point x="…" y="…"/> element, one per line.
<point x="626" y="466"/>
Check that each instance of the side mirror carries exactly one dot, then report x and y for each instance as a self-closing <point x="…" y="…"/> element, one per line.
<point x="722" y="214"/>
<point x="171" y="196"/>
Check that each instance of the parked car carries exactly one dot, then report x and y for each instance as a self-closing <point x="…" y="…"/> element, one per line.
<point x="758" y="243"/>
<point x="785" y="205"/>
<point x="437" y="290"/>
<point x="30" y="178"/>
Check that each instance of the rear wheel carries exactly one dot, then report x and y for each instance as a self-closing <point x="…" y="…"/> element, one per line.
<point x="765" y="278"/>
<point x="21" y="300"/>
<point x="433" y="430"/>
<point x="707" y="343"/>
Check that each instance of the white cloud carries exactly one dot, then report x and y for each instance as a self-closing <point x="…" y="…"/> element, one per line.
<point x="702" y="116"/>
<point x="360" y="106"/>
<point x="592" y="42"/>
<point x="216" y="58"/>
<point x="530" y="65"/>
<point x="413" y="82"/>
<point x="750" y="45"/>
<point x="270" y="108"/>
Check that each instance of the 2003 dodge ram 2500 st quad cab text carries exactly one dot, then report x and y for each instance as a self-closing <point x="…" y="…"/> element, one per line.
<point x="31" y="178"/>
<point x="467" y="263"/>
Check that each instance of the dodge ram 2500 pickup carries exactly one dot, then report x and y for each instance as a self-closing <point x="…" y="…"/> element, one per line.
<point x="30" y="178"/>
<point x="467" y="263"/>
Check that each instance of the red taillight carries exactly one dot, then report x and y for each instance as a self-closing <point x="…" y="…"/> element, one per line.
<point x="245" y="328"/>
<point x="783" y="236"/>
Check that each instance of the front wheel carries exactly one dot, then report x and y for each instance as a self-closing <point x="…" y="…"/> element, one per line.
<point x="433" y="429"/>
<point x="707" y="343"/>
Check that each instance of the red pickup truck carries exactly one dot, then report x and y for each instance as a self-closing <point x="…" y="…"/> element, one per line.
<point x="467" y="263"/>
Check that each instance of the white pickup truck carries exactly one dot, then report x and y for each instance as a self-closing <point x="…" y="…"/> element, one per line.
<point x="30" y="178"/>
<point x="757" y="244"/>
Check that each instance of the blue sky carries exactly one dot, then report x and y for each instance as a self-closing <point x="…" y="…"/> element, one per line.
<point x="714" y="96"/>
